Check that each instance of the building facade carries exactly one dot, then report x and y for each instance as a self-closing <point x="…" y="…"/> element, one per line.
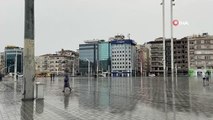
<point x="2" y="62"/>
<point x="57" y="63"/>
<point x="156" y="57"/>
<point x="41" y="64"/>
<point x="181" y="56"/>
<point x="104" y="56"/>
<point x="88" y="57"/>
<point x="144" y="60"/>
<point x="13" y="55"/>
<point x="200" y="54"/>
<point x="123" y="56"/>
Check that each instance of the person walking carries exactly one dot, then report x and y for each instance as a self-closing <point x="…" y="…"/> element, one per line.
<point x="66" y="83"/>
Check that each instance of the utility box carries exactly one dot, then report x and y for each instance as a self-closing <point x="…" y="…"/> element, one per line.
<point x="39" y="90"/>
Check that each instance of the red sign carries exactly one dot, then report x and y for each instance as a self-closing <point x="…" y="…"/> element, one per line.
<point x="175" y="22"/>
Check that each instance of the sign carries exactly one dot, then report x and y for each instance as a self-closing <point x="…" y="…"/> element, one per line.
<point x="178" y="23"/>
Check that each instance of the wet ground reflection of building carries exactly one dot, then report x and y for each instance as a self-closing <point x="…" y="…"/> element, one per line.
<point x="116" y="95"/>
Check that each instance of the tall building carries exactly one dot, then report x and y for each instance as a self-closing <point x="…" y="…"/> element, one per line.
<point x="104" y="56"/>
<point x="88" y="57"/>
<point x="13" y="53"/>
<point x="144" y="60"/>
<point x="57" y="63"/>
<point x="181" y="56"/>
<point x="123" y="56"/>
<point x="156" y="56"/>
<point x="2" y="66"/>
<point x="200" y="54"/>
<point x="41" y="64"/>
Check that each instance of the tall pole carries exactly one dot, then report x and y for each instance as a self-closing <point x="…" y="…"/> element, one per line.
<point x="29" y="62"/>
<point x="172" y="42"/>
<point x="97" y="60"/>
<point x="88" y="67"/>
<point x="73" y="72"/>
<point x="15" y="67"/>
<point x="164" y="41"/>
<point x="141" y="69"/>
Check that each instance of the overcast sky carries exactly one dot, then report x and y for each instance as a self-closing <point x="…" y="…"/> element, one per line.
<point x="67" y="23"/>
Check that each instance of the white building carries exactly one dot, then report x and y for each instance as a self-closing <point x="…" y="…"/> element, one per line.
<point x="200" y="52"/>
<point x="57" y="63"/>
<point x="123" y="56"/>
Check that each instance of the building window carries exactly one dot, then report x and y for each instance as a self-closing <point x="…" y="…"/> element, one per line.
<point x="191" y="47"/>
<point x="198" y="46"/>
<point x="191" y="52"/>
<point x="191" y="42"/>
<point x="198" y="41"/>
<point x="207" y="57"/>
<point x="207" y="41"/>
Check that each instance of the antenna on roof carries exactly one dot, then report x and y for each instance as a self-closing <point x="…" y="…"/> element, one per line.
<point x="128" y="35"/>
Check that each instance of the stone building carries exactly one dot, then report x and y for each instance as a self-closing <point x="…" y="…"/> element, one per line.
<point x="200" y="55"/>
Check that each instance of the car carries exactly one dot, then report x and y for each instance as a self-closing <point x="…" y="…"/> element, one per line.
<point x="151" y="75"/>
<point x="20" y="76"/>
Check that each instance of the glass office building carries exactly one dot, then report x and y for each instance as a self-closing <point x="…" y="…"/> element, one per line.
<point x="88" y="58"/>
<point x="104" y="56"/>
<point x="13" y="53"/>
<point x="97" y="53"/>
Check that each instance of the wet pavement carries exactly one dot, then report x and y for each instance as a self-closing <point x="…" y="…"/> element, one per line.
<point x="138" y="98"/>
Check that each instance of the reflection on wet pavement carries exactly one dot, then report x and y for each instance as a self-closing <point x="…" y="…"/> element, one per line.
<point x="153" y="98"/>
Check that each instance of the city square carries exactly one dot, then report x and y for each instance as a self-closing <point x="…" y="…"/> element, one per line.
<point x="106" y="60"/>
<point x="116" y="98"/>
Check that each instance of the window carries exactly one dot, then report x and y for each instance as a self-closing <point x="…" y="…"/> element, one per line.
<point x="207" y="41"/>
<point x="208" y="46"/>
<point x="199" y="42"/>
<point x="198" y="46"/>
<point x="207" y="57"/>
<point x="191" y="47"/>
<point x="191" y="52"/>
<point x="191" y="42"/>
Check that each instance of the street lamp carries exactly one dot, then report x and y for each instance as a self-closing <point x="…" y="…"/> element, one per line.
<point x="15" y="69"/>
<point x="88" y="66"/>
<point x="10" y="67"/>
<point x="172" y="41"/>
<point x="164" y="51"/>
<point x="73" y="70"/>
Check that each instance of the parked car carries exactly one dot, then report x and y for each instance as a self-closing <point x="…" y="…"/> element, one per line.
<point x="151" y="75"/>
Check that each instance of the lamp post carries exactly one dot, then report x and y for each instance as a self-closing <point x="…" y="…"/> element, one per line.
<point x="88" y="67"/>
<point x="9" y="68"/>
<point x="73" y="70"/>
<point x="172" y="41"/>
<point x="15" y="67"/>
<point x="164" y="51"/>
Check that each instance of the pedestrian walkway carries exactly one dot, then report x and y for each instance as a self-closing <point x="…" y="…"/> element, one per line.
<point x="111" y="99"/>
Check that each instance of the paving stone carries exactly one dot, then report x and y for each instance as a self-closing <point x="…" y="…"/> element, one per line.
<point x="137" y="98"/>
